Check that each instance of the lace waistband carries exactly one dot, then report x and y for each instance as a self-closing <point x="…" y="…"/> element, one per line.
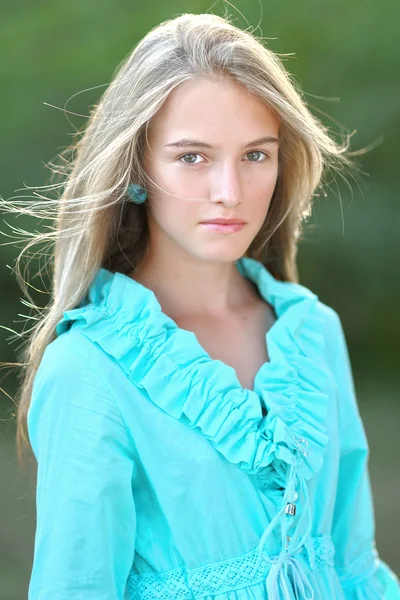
<point x="247" y="569"/>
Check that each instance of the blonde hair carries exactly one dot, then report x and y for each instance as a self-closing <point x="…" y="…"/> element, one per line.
<point x="93" y="224"/>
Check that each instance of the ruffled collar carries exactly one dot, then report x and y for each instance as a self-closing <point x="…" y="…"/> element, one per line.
<point x="166" y="362"/>
<point x="126" y="319"/>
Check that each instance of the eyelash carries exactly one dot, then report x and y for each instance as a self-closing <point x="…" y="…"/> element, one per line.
<point x="197" y="154"/>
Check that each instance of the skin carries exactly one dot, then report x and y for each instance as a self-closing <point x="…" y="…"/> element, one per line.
<point x="192" y="270"/>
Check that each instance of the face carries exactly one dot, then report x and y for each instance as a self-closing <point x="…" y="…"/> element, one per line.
<point x="224" y="174"/>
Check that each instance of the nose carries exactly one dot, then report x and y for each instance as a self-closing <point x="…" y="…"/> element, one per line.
<point x="226" y="185"/>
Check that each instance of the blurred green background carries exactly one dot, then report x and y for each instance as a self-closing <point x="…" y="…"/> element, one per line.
<point x="347" y="62"/>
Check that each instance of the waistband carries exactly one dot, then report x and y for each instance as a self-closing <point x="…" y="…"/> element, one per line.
<point x="247" y="569"/>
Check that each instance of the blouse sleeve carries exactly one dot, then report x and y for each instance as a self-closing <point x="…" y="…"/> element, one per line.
<point x="85" y="511"/>
<point x="363" y="575"/>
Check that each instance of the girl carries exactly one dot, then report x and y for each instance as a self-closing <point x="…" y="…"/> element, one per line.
<point x="190" y="405"/>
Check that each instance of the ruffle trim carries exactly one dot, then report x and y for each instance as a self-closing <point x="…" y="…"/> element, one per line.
<point x="125" y="319"/>
<point x="381" y="583"/>
<point x="285" y="447"/>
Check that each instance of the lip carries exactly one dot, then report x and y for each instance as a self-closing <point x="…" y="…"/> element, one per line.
<point x="223" y="227"/>
<point x="225" y="221"/>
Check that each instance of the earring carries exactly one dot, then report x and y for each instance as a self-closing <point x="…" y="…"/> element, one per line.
<point x="136" y="193"/>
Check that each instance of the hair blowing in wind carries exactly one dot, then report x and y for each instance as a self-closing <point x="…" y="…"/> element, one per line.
<point x="92" y="224"/>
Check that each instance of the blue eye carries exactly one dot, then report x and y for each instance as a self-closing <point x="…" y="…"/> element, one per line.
<point x="258" y="152"/>
<point x="190" y="154"/>
<point x="180" y="159"/>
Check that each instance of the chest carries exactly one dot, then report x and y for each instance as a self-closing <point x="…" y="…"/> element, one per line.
<point x="238" y="341"/>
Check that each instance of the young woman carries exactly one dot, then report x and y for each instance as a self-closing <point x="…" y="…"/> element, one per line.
<point x="190" y="405"/>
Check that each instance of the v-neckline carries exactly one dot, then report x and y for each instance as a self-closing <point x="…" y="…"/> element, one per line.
<point x="250" y="269"/>
<point x="270" y="290"/>
<point x="170" y="367"/>
<point x="286" y="298"/>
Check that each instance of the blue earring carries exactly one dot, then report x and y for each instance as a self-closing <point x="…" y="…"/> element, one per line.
<point x="136" y="193"/>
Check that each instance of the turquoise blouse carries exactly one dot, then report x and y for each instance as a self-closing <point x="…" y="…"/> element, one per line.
<point x="159" y="477"/>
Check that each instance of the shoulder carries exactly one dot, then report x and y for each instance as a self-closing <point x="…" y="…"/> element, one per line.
<point x="338" y="359"/>
<point x="322" y="315"/>
<point x="335" y="343"/>
<point x="329" y="318"/>
<point x="71" y="358"/>
<point x="334" y="332"/>
<point x="325" y="316"/>
<point x="71" y="395"/>
<point x="323" y="323"/>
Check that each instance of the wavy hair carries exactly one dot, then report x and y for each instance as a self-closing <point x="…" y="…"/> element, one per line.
<point x="91" y="223"/>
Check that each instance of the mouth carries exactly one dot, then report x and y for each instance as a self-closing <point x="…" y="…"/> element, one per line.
<point x="223" y="226"/>
<point x="225" y="221"/>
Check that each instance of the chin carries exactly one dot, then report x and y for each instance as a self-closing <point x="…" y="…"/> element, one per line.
<point x="221" y="255"/>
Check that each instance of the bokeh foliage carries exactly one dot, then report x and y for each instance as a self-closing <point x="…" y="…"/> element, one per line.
<point x="344" y="55"/>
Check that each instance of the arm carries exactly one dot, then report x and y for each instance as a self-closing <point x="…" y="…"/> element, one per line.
<point x="363" y="575"/>
<point x="85" y="511"/>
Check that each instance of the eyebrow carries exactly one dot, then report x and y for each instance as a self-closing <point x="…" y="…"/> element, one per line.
<point x="186" y="143"/>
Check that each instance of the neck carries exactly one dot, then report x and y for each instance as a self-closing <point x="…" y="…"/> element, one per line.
<point x="187" y="286"/>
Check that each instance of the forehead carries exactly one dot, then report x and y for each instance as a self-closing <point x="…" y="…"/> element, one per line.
<point x="218" y="110"/>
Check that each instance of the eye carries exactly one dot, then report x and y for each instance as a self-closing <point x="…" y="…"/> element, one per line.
<point x="190" y="154"/>
<point x="258" y="152"/>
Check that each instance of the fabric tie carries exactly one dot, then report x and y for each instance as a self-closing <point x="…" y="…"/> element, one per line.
<point x="278" y="579"/>
<point x="301" y="583"/>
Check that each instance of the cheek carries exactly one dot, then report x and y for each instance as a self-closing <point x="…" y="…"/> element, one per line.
<point x="259" y="204"/>
<point x="174" y="214"/>
<point x="262" y="193"/>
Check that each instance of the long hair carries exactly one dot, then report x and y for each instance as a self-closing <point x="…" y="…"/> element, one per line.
<point x="92" y="224"/>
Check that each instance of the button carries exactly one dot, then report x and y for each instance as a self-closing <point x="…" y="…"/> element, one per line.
<point x="290" y="509"/>
<point x="293" y="496"/>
